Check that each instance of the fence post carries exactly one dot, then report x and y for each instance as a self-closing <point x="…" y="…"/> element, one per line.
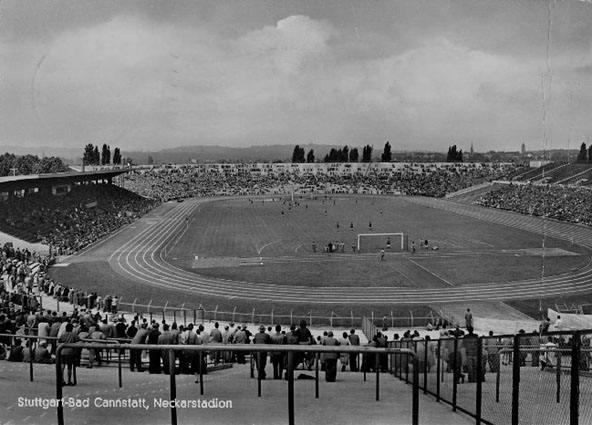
<point x="119" y="376"/>
<point x="574" y="397"/>
<point x="558" y="375"/>
<point x="415" y="397"/>
<point x="425" y="367"/>
<point x="498" y="377"/>
<point x="516" y="380"/>
<point x="480" y="374"/>
<point x="377" y="369"/>
<point x="59" y="380"/>
<point x="201" y="371"/>
<point x="173" y="385"/>
<point x="407" y="364"/>
<point x="455" y="367"/>
<point x="438" y="368"/>
<point x="317" y="361"/>
<point x="290" y="373"/>
<point x="31" y="357"/>
<point x="259" y="377"/>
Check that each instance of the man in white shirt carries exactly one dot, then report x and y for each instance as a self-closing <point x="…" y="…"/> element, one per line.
<point x="558" y="324"/>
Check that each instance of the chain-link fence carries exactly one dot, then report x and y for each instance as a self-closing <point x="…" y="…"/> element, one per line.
<point x="329" y="319"/>
<point x="507" y="379"/>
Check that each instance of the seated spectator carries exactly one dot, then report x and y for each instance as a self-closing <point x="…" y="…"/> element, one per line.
<point x="16" y="351"/>
<point x="42" y="354"/>
<point x="28" y="355"/>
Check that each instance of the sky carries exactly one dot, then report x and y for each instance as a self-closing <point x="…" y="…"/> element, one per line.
<point x="423" y="75"/>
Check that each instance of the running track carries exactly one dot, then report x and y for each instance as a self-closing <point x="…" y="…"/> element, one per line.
<point x="142" y="259"/>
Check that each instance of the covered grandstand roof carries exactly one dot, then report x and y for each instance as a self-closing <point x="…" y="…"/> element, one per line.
<point x="9" y="183"/>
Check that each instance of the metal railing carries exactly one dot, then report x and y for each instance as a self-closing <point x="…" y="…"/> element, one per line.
<point x="35" y="340"/>
<point x="201" y="315"/>
<point x="369" y="328"/>
<point x="290" y="350"/>
<point x="552" y="370"/>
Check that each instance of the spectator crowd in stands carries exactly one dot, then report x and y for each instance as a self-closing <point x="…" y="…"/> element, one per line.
<point x="73" y="220"/>
<point x="167" y="184"/>
<point x="573" y="204"/>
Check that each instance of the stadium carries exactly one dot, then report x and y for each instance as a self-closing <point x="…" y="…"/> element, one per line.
<point x="300" y="212"/>
<point x="349" y="251"/>
<point x="260" y="250"/>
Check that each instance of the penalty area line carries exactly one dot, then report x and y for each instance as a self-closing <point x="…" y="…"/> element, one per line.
<point x="298" y="247"/>
<point x="267" y="244"/>
<point x="432" y="273"/>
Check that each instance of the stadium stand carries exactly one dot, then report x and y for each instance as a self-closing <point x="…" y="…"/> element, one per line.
<point x="536" y="174"/>
<point x="558" y="202"/>
<point x="71" y="221"/>
<point x="94" y="211"/>
<point x="436" y="180"/>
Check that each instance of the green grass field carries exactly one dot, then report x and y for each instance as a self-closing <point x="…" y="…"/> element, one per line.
<point x="469" y="251"/>
<point x="223" y="233"/>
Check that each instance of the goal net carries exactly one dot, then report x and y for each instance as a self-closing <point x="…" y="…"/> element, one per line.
<point x="372" y="242"/>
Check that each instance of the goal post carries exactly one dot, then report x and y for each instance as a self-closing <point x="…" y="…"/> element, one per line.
<point x="370" y="242"/>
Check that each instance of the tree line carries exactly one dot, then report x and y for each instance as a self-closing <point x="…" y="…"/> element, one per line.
<point x="344" y="154"/>
<point x="454" y="155"/>
<point x="11" y="164"/>
<point x="92" y="156"/>
<point x="585" y="154"/>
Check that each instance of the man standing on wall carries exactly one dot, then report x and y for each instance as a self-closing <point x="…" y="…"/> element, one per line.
<point x="353" y="357"/>
<point x="261" y="356"/>
<point x="468" y="319"/>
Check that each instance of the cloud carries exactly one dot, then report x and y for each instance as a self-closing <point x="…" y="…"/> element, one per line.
<point x="145" y="84"/>
<point x="289" y="44"/>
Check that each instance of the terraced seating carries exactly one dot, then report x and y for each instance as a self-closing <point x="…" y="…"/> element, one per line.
<point x="537" y="173"/>
<point x="470" y="194"/>
<point x="568" y="172"/>
<point x="583" y="178"/>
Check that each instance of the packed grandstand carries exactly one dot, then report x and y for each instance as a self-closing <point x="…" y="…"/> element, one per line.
<point x="434" y="179"/>
<point x="83" y="214"/>
<point x="69" y="222"/>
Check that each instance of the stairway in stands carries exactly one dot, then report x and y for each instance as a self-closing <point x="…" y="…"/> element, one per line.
<point x="488" y="316"/>
<point x="470" y="194"/>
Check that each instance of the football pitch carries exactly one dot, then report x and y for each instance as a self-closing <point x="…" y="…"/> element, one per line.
<point x="270" y="240"/>
<point x="269" y="253"/>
